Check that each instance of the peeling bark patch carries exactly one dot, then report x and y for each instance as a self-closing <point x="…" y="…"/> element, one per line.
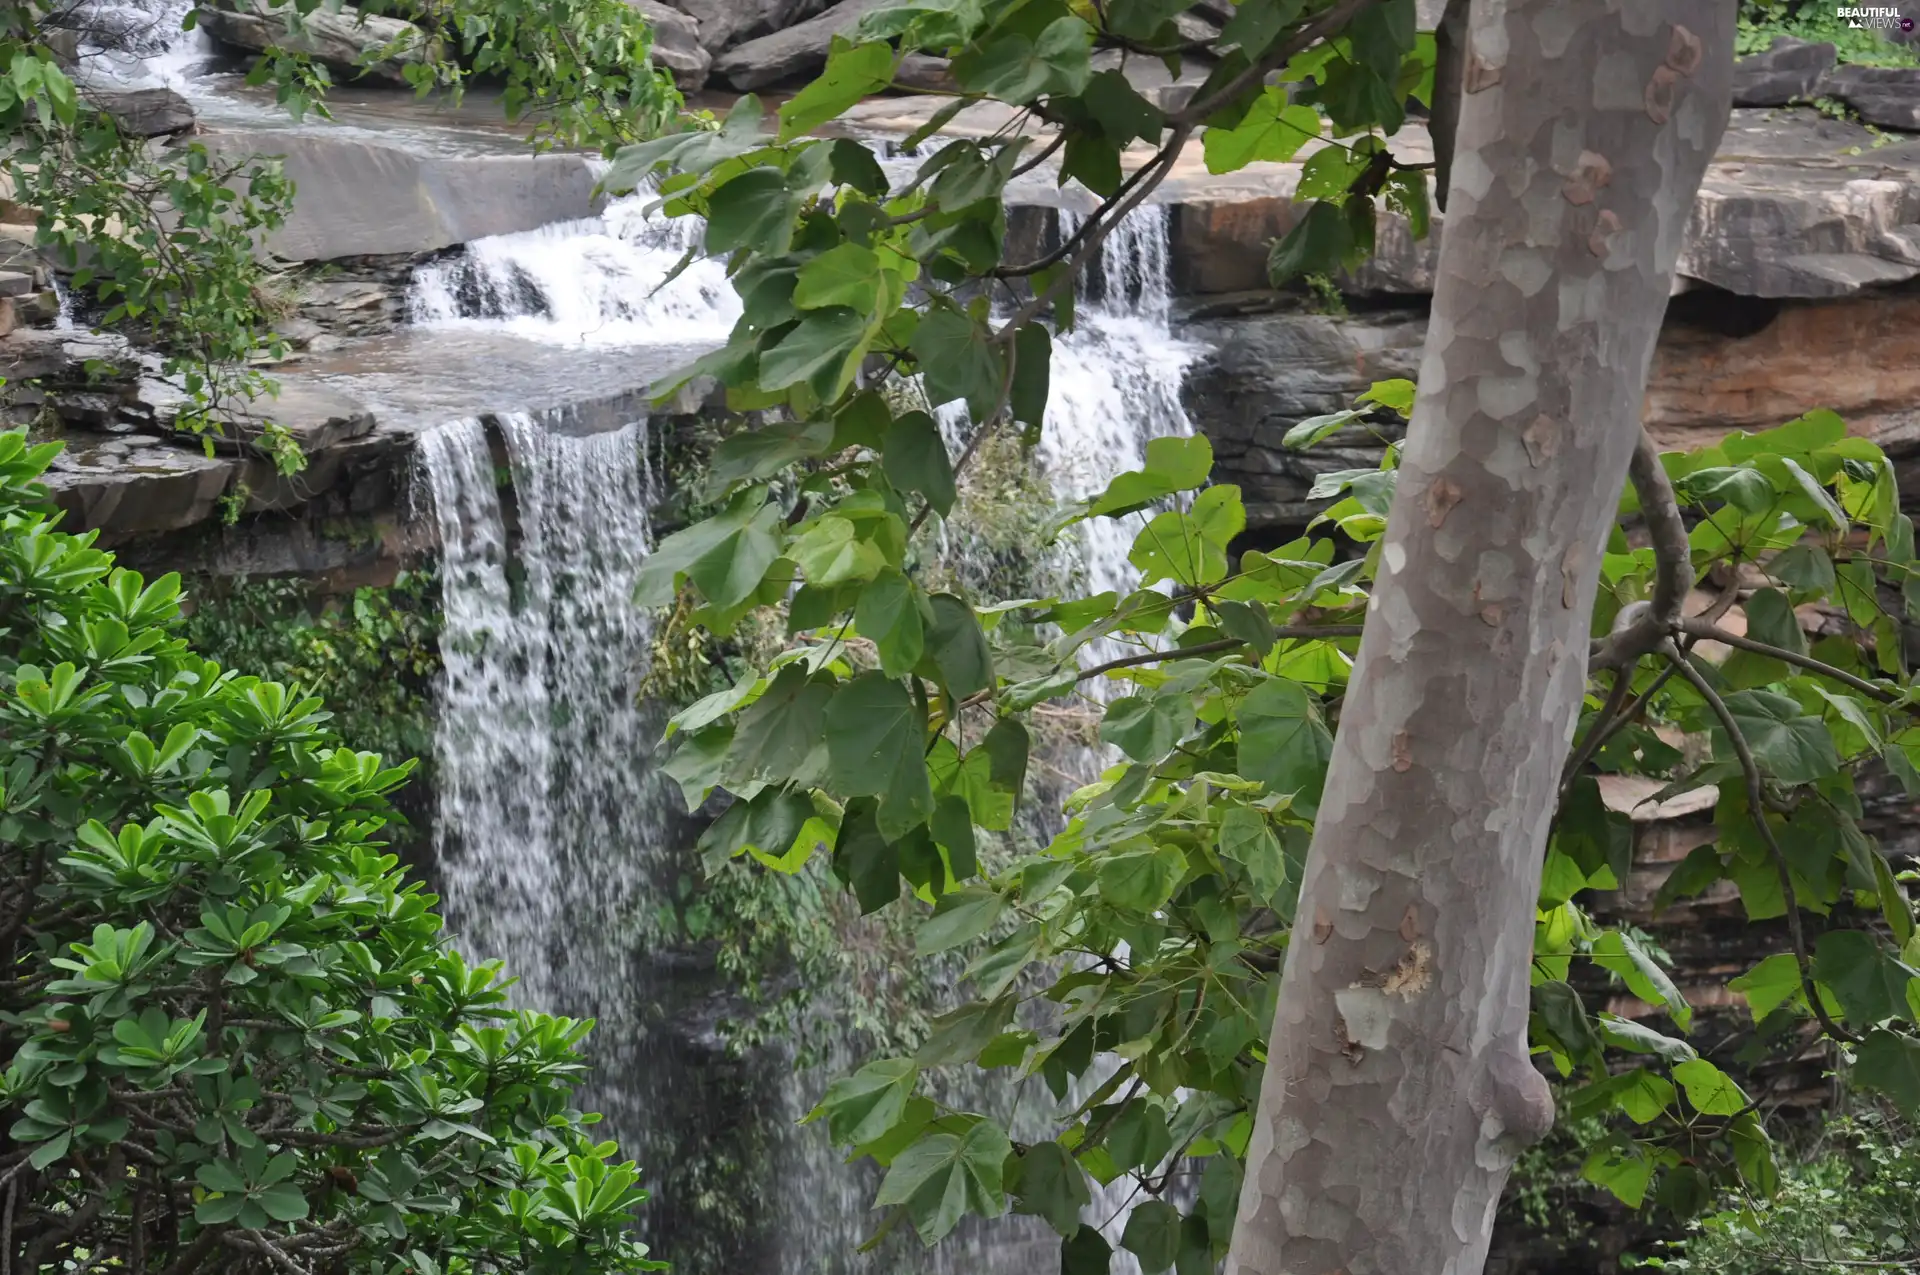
<point x="1570" y="577"/>
<point x="1661" y="90"/>
<point x="1441" y="498"/>
<point x="1491" y="616"/>
<point x="1542" y="439"/>
<point x="1481" y="74"/>
<point x="1410" y="923"/>
<point x="1365" y="1020"/>
<point x="1322" y="925"/>
<point x="1591" y="175"/>
<point x="1684" y="50"/>
<point x="1402" y="753"/>
<point x="1412" y="974"/>
<point x="1605" y="227"/>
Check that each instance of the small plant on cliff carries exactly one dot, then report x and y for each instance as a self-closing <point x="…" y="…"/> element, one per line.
<point x="234" y="1038"/>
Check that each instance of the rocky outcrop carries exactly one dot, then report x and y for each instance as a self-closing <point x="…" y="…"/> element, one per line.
<point x="1885" y="96"/>
<point x="355" y="45"/>
<point x="726" y="23"/>
<point x="1788" y="72"/>
<point x="792" y="52"/>
<point x="676" y="44"/>
<point x="358" y="199"/>
<point x="1722" y="363"/>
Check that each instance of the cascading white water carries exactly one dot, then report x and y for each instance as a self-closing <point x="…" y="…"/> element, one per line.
<point x="1115" y="385"/>
<point x="594" y="282"/>
<point x="528" y="794"/>
<point x="548" y="809"/>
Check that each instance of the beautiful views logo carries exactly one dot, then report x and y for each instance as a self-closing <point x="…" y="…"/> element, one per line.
<point x="1876" y="17"/>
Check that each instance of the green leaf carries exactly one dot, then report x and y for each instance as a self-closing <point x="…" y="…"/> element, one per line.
<point x="1142" y="881"/>
<point x="865" y="860"/>
<point x="1870" y="985"/>
<point x="1710" y="1091"/>
<point x="944" y="1176"/>
<point x="845" y="275"/>
<point x="915" y="458"/>
<point x="754" y="454"/>
<point x="1319" y="243"/>
<point x="1050" y="1184"/>
<point x="1625" y="1171"/>
<point x="831" y="552"/>
<point x="959" y="918"/>
<point x="957" y="646"/>
<point x="1317" y="429"/>
<point x="778" y="736"/>
<point x="853" y="71"/>
<point x="1770" y="984"/>
<point x="861" y="1107"/>
<point x="1283" y="743"/>
<point x="1272" y="130"/>
<point x="952" y="827"/>
<point x="876" y="736"/>
<point x="1624" y="955"/>
<point x="751" y="210"/>
<point x="1790" y="746"/>
<point x="1247" y="838"/>
<point x="888" y="614"/>
<point x="1172" y="465"/>
<point x="1017" y="70"/>
<point x="957" y="360"/>
<point x="1085" y="1252"/>
<point x="1153" y="1235"/>
<point x="820" y="343"/>
<point x="1032" y="373"/>
<point x="1747" y="490"/>
<point x="725" y="556"/>
<point x="1145" y="727"/>
<point x="1889" y="1063"/>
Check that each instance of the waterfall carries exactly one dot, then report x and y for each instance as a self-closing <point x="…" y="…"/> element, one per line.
<point x="593" y="282"/>
<point x="551" y="828"/>
<point x="548" y="816"/>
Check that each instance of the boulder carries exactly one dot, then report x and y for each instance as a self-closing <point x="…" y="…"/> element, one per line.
<point x="797" y="51"/>
<point x="1790" y="71"/>
<point x="1884" y="96"/>
<point x="150" y="111"/>
<point x="126" y="487"/>
<point x="725" y="23"/>
<point x="676" y="44"/>
<point x="1264" y="374"/>
<point x="359" y="45"/>
<point x="358" y="199"/>
<point x="925" y="72"/>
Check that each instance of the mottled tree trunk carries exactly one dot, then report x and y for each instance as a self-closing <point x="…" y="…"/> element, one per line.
<point x="1399" y="1089"/>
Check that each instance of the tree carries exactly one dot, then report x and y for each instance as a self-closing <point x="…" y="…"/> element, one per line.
<point x="234" y="1037"/>
<point x="1399" y="1085"/>
<point x="1128" y="962"/>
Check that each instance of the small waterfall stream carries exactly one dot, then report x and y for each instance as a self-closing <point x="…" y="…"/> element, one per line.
<point x="552" y="829"/>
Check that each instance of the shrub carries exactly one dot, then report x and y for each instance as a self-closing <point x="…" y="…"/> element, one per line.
<point x="235" y="1037"/>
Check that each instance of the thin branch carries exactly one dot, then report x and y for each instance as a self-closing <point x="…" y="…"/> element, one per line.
<point x="1714" y="633"/>
<point x="1601" y="730"/>
<point x="1334" y="19"/>
<point x="1757" y="808"/>
<point x="1642" y="627"/>
<point x="1306" y="631"/>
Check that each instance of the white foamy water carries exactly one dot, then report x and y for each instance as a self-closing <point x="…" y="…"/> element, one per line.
<point x="601" y="281"/>
<point x="544" y="761"/>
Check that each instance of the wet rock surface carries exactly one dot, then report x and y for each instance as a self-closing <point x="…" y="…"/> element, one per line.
<point x="353" y="44"/>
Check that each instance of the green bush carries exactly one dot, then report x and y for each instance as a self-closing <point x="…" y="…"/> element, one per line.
<point x="1764" y="21"/>
<point x="234" y="1036"/>
<point x="1844" y="1208"/>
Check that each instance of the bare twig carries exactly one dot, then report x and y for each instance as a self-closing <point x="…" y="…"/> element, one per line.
<point x="1713" y="633"/>
<point x="1757" y="808"/>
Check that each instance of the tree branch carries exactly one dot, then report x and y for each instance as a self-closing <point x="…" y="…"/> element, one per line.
<point x="1757" y="808"/>
<point x="1334" y="19"/>
<point x="1298" y="631"/>
<point x="1713" y="633"/>
<point x="1643" y="626"/>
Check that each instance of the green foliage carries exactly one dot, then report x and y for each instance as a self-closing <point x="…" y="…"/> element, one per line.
<point x="234" y="1036"/>
<point x="1123" y="957"/>
<point x="1847" y="1206"/>
<point x="1764" y="21"/>
<point x="373" y="653"/>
